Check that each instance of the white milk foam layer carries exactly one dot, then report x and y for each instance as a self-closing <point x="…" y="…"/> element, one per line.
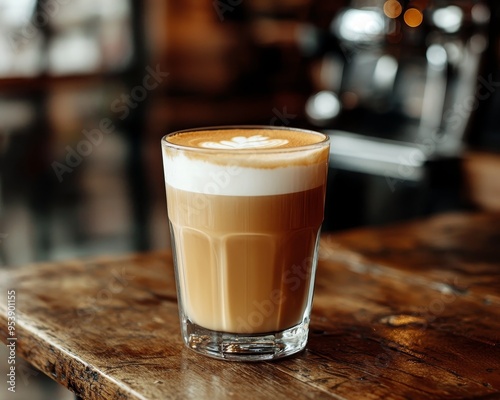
<point x="198" y="176"/>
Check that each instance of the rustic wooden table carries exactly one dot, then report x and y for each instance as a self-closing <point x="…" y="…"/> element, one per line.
<point x="409" y="311"/>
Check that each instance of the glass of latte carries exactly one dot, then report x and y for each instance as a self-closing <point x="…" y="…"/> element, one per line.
<point x="245" y="206"/>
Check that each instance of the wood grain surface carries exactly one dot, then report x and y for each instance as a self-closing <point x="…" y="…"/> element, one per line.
<point x="409" y="311"/>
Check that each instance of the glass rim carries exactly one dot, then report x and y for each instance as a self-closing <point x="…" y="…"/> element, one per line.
<point x="322" y="143"/>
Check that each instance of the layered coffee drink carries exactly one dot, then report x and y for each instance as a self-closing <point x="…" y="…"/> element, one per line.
<point x="245" y="207"/>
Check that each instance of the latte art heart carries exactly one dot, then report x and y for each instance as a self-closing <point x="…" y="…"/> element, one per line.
<point x="241" y="142"/>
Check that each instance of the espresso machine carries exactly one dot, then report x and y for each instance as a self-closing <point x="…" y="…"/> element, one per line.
<point x="396" y="88"/>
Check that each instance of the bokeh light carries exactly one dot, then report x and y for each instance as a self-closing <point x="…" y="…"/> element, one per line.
<point x="323" y="106"/>
<point x="413" y="17"/>
<point x="448" y="18"/>
<point x="392" y="8"/>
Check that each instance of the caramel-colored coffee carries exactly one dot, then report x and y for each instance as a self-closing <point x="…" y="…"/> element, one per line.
<point x="245" y="207"/>
<point x="244" y="263"/>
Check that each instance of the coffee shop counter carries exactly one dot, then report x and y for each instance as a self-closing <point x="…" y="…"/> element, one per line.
<point x="406" y="311"/>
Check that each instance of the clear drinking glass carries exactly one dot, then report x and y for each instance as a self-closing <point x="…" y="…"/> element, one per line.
<point x="245" y="207"/>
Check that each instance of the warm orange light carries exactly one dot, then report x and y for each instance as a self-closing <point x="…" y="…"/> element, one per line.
<point x="413" y="17"/>
<point x="392" y="8"/>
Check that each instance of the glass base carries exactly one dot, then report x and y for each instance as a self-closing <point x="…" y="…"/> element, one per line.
<point x="245" y="347"/>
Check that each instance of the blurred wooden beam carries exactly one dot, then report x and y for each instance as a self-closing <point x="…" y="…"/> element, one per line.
<point x="482" y="177"/>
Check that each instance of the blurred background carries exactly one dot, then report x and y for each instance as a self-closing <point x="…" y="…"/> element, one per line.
<point x="408" y="91"/>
